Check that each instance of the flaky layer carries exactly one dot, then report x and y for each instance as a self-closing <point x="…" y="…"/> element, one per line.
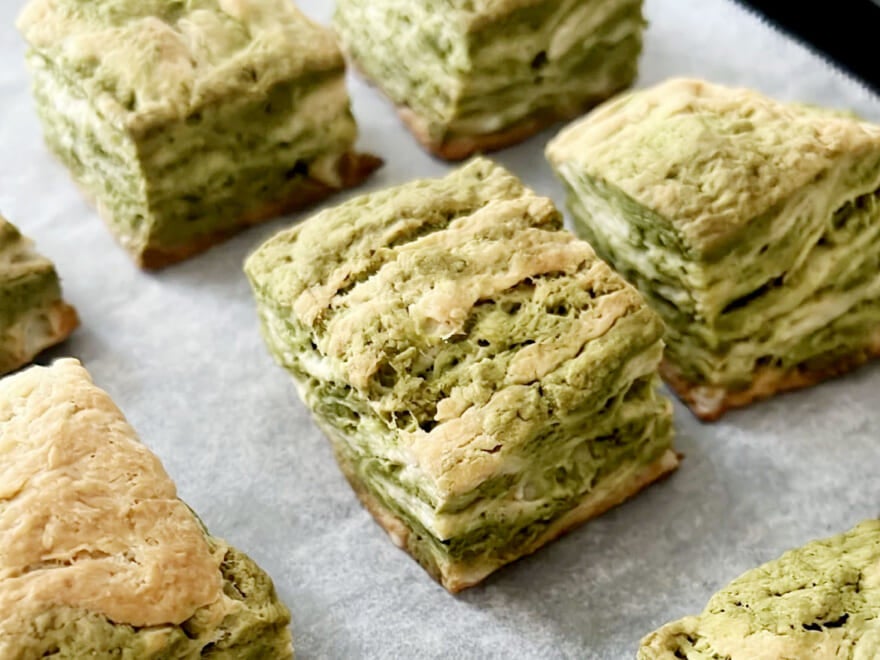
<point x="459" y="574"/>
<point x="167" y="194"/>
<point x="145" y="64"/>
<point x="753" y="304"/>
<point x="710" y="403"/>
<point x="469" y="78"/>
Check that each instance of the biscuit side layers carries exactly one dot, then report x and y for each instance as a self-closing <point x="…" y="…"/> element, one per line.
<point x="480" y="371"/>
<point x="470" y="77"/>
<point x="751" y="226"/>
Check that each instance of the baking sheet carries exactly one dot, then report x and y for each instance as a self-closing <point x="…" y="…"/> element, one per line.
<point x="181" y="354"/>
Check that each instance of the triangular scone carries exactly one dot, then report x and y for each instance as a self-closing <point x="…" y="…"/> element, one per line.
<point x="98" y="556"/>
<point x="752" y="226"/>
<point x="33" y="316"/>
<point x="819" y="602"/>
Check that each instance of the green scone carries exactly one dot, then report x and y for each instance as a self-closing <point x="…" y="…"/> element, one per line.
<point x="33" y="316"/>
<point x="186" y="121"/>
<point x="487" y="383"/>
<point x="477" y="75"/>
<point x="98" y="557"/>
<point x="819" y="602"/>
<point x="751" y="226"/>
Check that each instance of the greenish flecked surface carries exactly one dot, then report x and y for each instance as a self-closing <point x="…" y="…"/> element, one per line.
<point x="196" y="116"/>
<point x="767" y="257"/>
<point x="472" y="68"/>
<point x="821" y="601"/>
<point x="258" y="630"/>
<point x="345" y="300"/>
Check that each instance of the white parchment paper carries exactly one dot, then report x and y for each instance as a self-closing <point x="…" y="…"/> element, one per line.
<point x="181" y="354"/>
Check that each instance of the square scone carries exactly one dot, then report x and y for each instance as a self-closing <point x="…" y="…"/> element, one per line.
<point x="98" y="556"/>
<point x="470" y="76"/>
<point x="752" y="227"/>
<point x="487" y="382"/>
<point x="187" y="121"/>
<point x="818" y="602"/>
<point x="33" y="315"/>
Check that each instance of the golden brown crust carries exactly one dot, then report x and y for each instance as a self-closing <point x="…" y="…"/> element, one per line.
<point x="88" y="517"/>
<point x="354" y="169"/>
<point x="457" y="576"/>
<point x="460" y="147"/>
<point x="455" y="148"/>
<point x="710" y="403"/>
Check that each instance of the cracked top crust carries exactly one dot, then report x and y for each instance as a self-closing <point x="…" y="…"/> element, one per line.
<point x="708" y="158"/>
<point x="88" y="517"/>
<point x="821" y="601"/>
<point x="146" y="62"/>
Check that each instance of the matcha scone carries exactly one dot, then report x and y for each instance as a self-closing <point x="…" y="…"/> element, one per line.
<point x="33" y="315"/>
<point x="187" y="121"/>
<point x="471" y="76"/>
<point x="752" y="227"/>
<point x="819" y="602"/>
<point x="487" y="382"/>
<point x="98" y="556"/>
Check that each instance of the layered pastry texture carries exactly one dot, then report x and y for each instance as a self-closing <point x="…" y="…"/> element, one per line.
<point x="186" y="121"/>
<point x="486" y="381"/>
<point x="33" y="315"/>
<point x="98" y="556"/>
<point x="821" y="602"/>
<point x="751" y="226"/>
<point x="478" y="75"/>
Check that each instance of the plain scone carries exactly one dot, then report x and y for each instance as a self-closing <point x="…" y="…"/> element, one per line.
<point x="98" y="556"/>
